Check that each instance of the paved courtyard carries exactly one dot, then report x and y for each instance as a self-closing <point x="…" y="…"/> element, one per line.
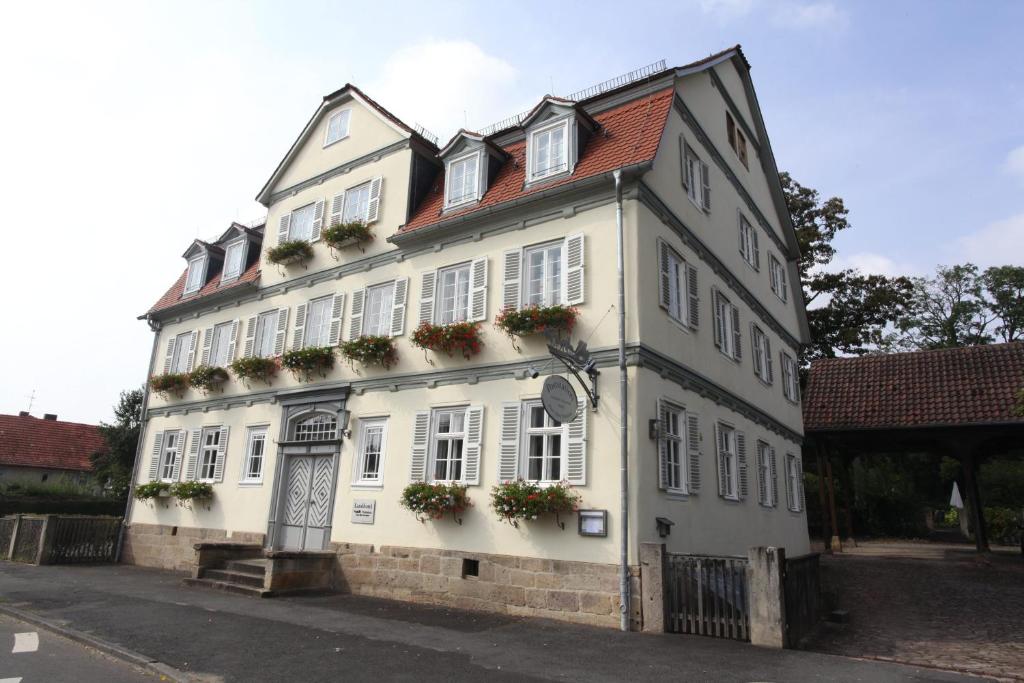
<point x="929" y="605"/>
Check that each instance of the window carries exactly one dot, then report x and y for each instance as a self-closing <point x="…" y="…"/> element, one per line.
<point x="318" y="322"/>
<point x="169" y="459"/>
<point x="300" y="227"/>
<point x="377" y="311"/>
<point x="794" y="483"/>
<point x="728" y="469"/>
<point x="210" y="447"/>
<point x="181" y="354"/>
<point x="463" y="179"/>
<point x="337" y="126"/>
<point x="266" y="334"/>
<point x="748" y="244"/>
<point x="736" y="139"/>
<point x="777" y="276"/>
<point x="357" y="204"/>
<point x="194" y="280"/>
<point x="233" y="260"/>
<point x="766" y="474"/>
<point x="544" y="452"/>
<point x="727" y="325"/>
<point x="320" y="427"/>
<point x="696" y="178"/>
<point x="220" y="345"/>
<point x="762" y="354"/>
<point x="549" y="150"/>
<point x="790" y="378"/>
<point x="448" y="442"/>
<point x="370" y="451"/>
<point x="255" y="450"/>
<point x="544" y="275"/>
<point x="454" y="302"/>
<point x="673" y="469"/>
<point x="673" y="279"/>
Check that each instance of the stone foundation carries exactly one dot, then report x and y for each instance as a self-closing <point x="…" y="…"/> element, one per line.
<point x="173" y="547"/>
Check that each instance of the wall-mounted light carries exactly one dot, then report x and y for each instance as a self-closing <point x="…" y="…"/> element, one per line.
<point x="593" y="522"/>
<point x="343" y="417"/>
<point x="664" y="526"/>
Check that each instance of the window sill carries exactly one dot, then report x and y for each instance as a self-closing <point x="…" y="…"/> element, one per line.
<point x="465" y="203"/>
<point x="763" y="381"/>
<point x="541" y="180"/>
<point x="334" y="142"/>
<point x="680" y="496"/>
<point x="250" y="484"/>
<point x="368" y="485"/>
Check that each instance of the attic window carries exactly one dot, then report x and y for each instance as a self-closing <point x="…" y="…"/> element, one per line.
<point x="337" y="126"/>
<point x="549" y="150"/>
<point x="736" y="139"/>
<point x="196" y="274"/>
<point x="234" y="257"/>
<point x="463" y="179"/>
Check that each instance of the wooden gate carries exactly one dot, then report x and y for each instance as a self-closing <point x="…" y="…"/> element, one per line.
<point x="83" y="539"/>
<point x="803" y="592"/>
<point x="707" y="596"/>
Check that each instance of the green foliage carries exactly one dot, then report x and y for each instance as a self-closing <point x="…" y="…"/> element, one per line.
<point x="519" y="499"/>
<point x="951" y="517"/>
<point x="340" y="233"/>
<point x="57" y="488"/>
<point x="890" y="496"/>
<point x="188" y="491"/>
<point x="1005" y="288"/>
<point x="207" y="378"/>
<point x="303" y="363"/>
<point x="112" y="467"/>
<point x="170" y="384"/>
<point x="462" y="337"/>
<point x="255" y="368"/>
<point x="433" y="501"/>
<point x="948" y="310"/>
<point x="151" y="490"/>
<point x="371" y="350"/>
<point x="1003" y="525"/>
<point x="291" y="251"/>
<point x="533" y="319"/>
<point x="1001" y="482"/>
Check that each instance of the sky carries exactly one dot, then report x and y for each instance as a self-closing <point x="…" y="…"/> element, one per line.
<point x="129" y="129"/>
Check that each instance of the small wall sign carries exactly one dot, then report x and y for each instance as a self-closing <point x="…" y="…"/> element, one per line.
<point x="363" y="511"/>
<point x="593" y="522"/>
<point x="559" y="399"/>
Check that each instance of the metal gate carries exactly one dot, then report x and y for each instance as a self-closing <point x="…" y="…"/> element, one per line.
<point x="707" y="596"/>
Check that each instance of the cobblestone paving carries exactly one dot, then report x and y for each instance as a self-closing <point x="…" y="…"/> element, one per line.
<point x="958" y="612"/>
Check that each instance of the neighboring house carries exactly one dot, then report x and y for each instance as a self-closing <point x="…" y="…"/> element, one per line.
<point x="523" y="215"/>
<point x="46" y="450"/>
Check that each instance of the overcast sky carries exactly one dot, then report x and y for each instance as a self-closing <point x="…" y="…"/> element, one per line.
<point x="127" y="130"/>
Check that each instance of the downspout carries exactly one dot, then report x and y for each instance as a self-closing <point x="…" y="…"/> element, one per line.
<point x="143" y="423"/>
<point x="623" y="415"/>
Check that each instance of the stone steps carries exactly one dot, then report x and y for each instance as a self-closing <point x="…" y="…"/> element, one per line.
<point x="231" y="576"/>
<point x="228" y="587"/>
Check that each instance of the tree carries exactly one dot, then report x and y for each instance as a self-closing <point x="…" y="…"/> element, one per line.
<point x="949" y="310"/>
<point x="1005" y="287"/>
<point x="848" y="312"/>
<point x="113" y="467"/>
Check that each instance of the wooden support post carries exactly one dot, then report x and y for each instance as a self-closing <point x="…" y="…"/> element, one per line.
<point x="824" y="500"/>
<point x="970" y="464"/>
<point x="837" y="544"/>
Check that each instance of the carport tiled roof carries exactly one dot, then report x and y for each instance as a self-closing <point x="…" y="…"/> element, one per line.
<point x="948" y="387"/>
<point x="27" y="441"/>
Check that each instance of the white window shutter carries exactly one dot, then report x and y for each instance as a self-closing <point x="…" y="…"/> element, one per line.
<point x="233" y="341"/>
<point x="282" y="330"/>
<point x="737" y="333"/>
<point x="373" y="206"/>
<point x="222" y="448"/>
<point x="207" y="344"/>
<point x="154" y="461"/>
<point x="693" y="451"/>
<point x="664" y="277"/>
<point x="682" y="162"/>
<point x="420" y="439"/>
<point x="662" y="446"/>
<point x="716" y="307"/>
<point x="741" y="465"/>
<point x="178" y="453"/>
<point x="193" y="454"/>
<point x="755" y="346"/>
<point x="318" y="221"/>
<point x="574" y="265"/>
<point x="428" y="282"/>
<point x="774" y="483"/>
<point x="169" y="358"/>
<point x="192" y="344"/>
<point x="512" y="288"/>
<point x="705" y="190"/>
<point x="508" y="444"/>
<point x="398" y="306"/>
<point x="337" y="311"/>
<point x="478" y="290"/>
<point x="355" y="319"/>
<point x="250" y="336"/>
<point x="299" y="330"/>
<point x="337" y="207"/>
<point x="692" y="297"/>
<point x="576" y="445"/>
<point x="757" y="249"/>
<point x="474" y="439"/>
<point x="282" y="228"/>
<point x="720" y="459"/>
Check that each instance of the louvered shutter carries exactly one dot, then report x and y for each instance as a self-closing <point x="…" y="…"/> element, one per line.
<point x="664" y="277"/>
<point x="574" y="265"/>
<point x="682" y="162"/>
<point x="428" y="282"/>
<point x="744" y="238"/>
<point x="207" y="345"/>
<point x="789" y="483"/>
<point x="705" y="190"/>
<point x="169" y="358"/>
<point x="737" y="333"/>
<point x="512" y="288"/>
<point x="398" y="306"/>
<point x="282" y="329"/>
<point x="337" y="206"/>
<point x="178" y="453"/>
<point x="233" y="340"/>
<point x="299" y="330"/>
<point x="192" y="343"/>
<point x="337" y="311"/>
<point x="720" y="458"/>
<point x="355" y="319"/>
<point x="282" y="228"/>
<point x="420" y="438"/>
<point x="693" y="451"/>
<point x="762" y="482"/>
<point x="318" y="221"/>
<point x="757" y="249"/>
<point x="692" y="297"/>
<point x="154" y="461"/>
<point x="769" y="370"/>
<point x="774" y="483"/>
<point x="576" y="445"/>
<point x="756" y="344"/>
<point x="741" y="465"/>
<point x="478" y="290"/>
<point x="250" y="336"/>
<point x="508" y="443"/>
<point x="193" y="454"/>
<point x="662" y="446"/>
<point x="800" y="479"/>
<point x="716" y="307"/>
<point x="474" y="439"/>
<point x="373" y="206"/>
<point x="222" y="449"/>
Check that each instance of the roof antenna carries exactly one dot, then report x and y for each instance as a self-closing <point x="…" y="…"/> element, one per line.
<point x="551" y="81"/>
<point x="465" y="120"/>
<point x="31" y="400"/>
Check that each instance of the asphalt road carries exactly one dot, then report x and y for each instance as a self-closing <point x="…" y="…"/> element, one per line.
<point x="32" y="655"/>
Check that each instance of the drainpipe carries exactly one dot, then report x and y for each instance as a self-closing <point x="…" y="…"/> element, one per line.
<point x="623" y="415"/>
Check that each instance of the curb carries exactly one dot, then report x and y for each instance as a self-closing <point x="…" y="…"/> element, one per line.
<point x="124" y="654"/>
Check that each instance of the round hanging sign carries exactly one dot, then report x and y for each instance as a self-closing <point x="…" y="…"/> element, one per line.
<point x="559" y="399"/>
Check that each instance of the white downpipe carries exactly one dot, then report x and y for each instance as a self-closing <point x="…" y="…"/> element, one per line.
<point x="623" y="426"/>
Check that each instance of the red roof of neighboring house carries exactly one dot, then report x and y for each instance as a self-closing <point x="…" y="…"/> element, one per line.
<point x="27" y="441"/>
<point x="213" y="284"/>
<point x="629" y="134"/>
<point x="962" y="386"/>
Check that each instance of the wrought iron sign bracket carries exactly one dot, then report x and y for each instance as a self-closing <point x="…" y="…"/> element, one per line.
<point x="577" y="360"/>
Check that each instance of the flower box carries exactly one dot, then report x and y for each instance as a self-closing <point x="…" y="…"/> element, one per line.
<point x="433" y="501"/>
<point x="371" y="350"/>
<point x="207" y="378"/>
<point x="189" y="492"/>
<point x="523" y="500"/>
<point x="292" y="251"/>
<point x="342" y="235"/>
<point x="255" y="368"/>
<point x="151" y="490"/>
<point x="171" y="384"/>
<point x="304" y="363"/>
<point x="522" y="322"/>
<point x="461" y="337"/>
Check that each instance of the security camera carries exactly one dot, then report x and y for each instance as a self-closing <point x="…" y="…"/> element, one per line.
<point x="533" y="372"/>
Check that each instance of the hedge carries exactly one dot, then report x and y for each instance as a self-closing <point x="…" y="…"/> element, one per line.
<point x="56" y="506"/>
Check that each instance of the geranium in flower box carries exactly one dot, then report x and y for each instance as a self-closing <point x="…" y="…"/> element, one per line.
<point x="371" y="350"/>
<point x="434" y="501"/>
<point x="526" y="500"/>
<point x="521" y="322"/>
<point x="463" y="337"/>
<point x="304" y="363"/>
<point x="170" y="384"/>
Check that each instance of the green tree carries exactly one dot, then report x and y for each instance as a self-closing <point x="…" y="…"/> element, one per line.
<point x="113" y="467"/>
<point x="949" y="310"/>
<point x="1005" y="288"/>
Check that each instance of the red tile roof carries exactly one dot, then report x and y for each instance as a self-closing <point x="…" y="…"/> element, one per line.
<point x="629" y="134"/>
<point x="213" y="284"/>
<point x="27" y="441"/>
<point x="964" y="386"/>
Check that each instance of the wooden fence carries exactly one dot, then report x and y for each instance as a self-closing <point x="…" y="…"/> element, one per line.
<point x="707" y="596"/>
<point x="803" y="591"/>
<point x="59" y="539"/>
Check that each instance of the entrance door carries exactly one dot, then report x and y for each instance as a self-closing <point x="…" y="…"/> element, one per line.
<point x="307" y="502"/>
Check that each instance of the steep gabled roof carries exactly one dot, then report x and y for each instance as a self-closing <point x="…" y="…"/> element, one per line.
<point x="27" y="441"/>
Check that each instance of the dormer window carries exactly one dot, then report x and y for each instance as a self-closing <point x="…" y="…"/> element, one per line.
<point x="463" y="180"/>
<point x="549" y="150"/>
<point x="234" y="260"/>
<point x="337" y="127"/>
<point x="196" y="276"/>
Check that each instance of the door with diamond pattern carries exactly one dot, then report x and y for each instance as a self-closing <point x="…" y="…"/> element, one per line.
<point x="307" y="513"/>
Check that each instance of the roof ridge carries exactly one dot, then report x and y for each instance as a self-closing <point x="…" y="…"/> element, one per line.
<point x="918" y="353"/>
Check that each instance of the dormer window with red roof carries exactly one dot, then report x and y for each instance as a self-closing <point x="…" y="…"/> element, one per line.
<point x="549" y="150"/>
<point x="234" y="259"/>
<point x="463" y="179"/>
<point x="196" y="277"/>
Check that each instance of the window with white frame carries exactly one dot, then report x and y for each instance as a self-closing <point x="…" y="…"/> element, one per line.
<point x="196" y="274"/>
<point x="549" y="150"/>
<point x="453" y="299"/>
<point x="370" y="454"/>
<point x="319" y="427"/>
<point x="748" y="244"/>
<point x="673" y="284"/>
<point x="762" y="354"/>
<point x="300" y="226"/>
<point x="794" y="482"/>
<point x="766" y="474"/>
<point x="728" y="466"/>
<point x="696" y="178"/>
<point x="337" y="126"/>
<point x="544" y="445"/>
<point x="171" y="451"/>
<point x="180" y="356"/>
<point x="377" y="310"/>
<point x="777" y="277"/>
<point x="220" y="345"/>
<point x="448" y="440"/>
<point x="737" y="140"/>
<point x="233" y="260"/>
<point x="209" y="447"/>
<point x="544" y="274"/>
<point x="672" y="458"/>
<point x="790" y="378"/>
<point x="357" y="203"/>
<point x="727" y="320"/>
<point x="255" y="454"/>
<point x="318" y="322"/>
<point x="266" y="334"/>
<point x="463" y="179"/>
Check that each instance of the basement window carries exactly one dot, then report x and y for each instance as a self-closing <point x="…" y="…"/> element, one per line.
<point x="470" y="568"/>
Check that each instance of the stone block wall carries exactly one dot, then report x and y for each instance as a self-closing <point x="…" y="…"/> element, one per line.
<point x="172" y="547"/>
